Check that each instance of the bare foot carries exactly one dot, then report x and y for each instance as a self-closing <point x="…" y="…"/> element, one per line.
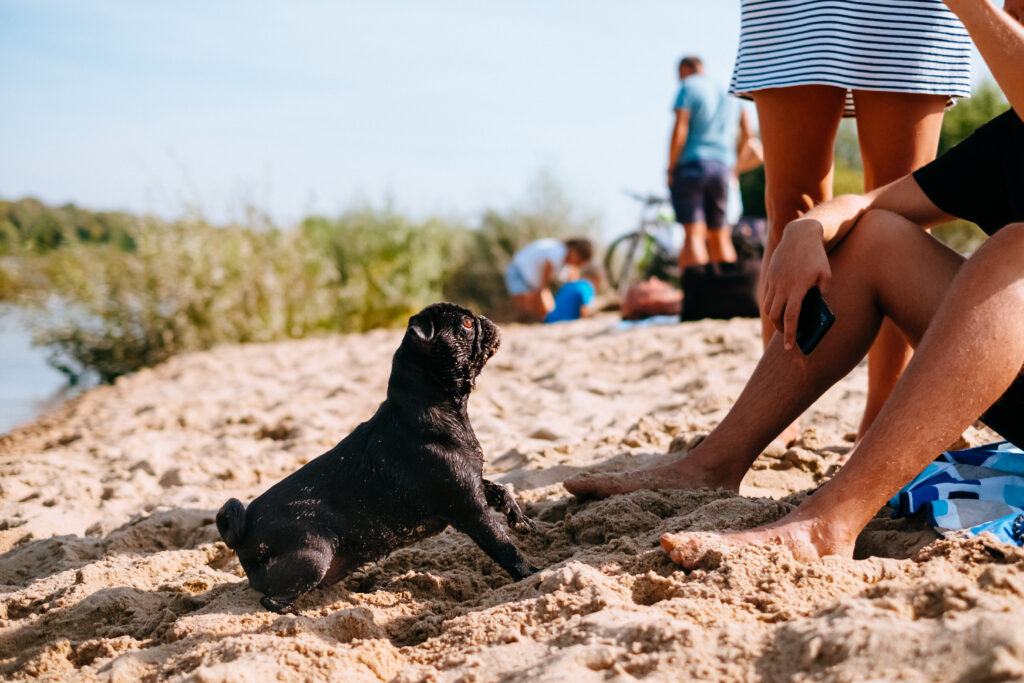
<point x="845" y="457"/>
<point x="808" y="541"/>
<point x="789" y="435"/>
<point x="679" y="474"/>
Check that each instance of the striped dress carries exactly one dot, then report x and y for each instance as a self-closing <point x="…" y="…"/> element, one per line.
<point x="914" y="46"/>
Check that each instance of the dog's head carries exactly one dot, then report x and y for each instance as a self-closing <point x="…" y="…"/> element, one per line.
<point x="450" y="345"/>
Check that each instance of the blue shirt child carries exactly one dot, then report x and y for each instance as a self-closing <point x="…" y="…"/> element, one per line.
<point x="570" y="299"/>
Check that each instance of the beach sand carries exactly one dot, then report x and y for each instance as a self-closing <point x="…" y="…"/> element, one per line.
<point x="112" y="569"/>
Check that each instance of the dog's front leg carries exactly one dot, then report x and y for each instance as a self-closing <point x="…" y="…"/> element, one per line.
<point x="502" y="500"/>
<point x="478" y="524"/>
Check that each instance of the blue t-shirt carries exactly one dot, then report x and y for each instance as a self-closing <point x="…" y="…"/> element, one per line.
<point x="714" y="117"/>
<point x="571" y="297"/>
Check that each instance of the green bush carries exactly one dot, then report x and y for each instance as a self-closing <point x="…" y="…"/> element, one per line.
<point x="28" y="225"/>
<point x="984" y="104"/>
<point x="111" y="306"/>
<point x="386" y="267"/>
<point x="962" y="236"/>
<point x="186" y="286"/>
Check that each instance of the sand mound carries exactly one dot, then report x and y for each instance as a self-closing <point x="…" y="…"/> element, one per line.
<point x="111" y="566"/>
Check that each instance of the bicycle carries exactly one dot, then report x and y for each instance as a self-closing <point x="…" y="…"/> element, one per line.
<point x="651" y="250"/>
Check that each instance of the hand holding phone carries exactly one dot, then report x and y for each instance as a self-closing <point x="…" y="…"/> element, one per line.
<point x="815" y="320"/>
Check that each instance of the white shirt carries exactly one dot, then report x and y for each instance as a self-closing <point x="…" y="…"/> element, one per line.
<point x="530" y="260"/>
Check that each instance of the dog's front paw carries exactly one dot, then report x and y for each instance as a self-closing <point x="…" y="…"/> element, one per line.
<point x="279" y="606"/>
<point x="522" y="523"/>
<point x="522" y="570"/>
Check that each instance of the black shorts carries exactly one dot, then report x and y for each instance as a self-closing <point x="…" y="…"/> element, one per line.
<point x="1006" y="416"/>
<point x="700" y="193"/>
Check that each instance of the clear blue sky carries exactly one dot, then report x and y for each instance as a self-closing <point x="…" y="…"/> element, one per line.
<point x="446" y="106"/>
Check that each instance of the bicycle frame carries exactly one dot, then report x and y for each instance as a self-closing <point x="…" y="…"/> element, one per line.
<point x="658" y="236"/>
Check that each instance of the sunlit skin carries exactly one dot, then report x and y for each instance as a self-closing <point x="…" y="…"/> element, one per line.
<point x="960" y="313"/>
<point x="871" y="258"/>
<point x="898" y="133"/>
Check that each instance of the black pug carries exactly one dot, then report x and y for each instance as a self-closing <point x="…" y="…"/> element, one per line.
<point x="407" y="473"/>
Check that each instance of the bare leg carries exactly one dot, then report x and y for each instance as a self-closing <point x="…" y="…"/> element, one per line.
<point x="971" y="353"/>
<point x="798" y="131"/>
<point x="898" y="133"/>
<point x="720" y="247"/>
<point x="885" y="255"/>
<point x="695" y="251"/>
<point x="535" y="305"/>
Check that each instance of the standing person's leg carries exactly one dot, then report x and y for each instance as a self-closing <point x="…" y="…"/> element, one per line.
<point x="798" y="130"/>
<point x="971" y="353"/>
<point x="716" y="209"/>
<point x="720" y="246"/>
<point x="877" y="264"/>
<point x="688" y="203"/>
<point x="695" y="250"/>
<point x="898" y="133"/>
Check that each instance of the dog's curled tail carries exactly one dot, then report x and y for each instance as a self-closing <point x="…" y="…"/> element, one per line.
<point x="231" y="522"/>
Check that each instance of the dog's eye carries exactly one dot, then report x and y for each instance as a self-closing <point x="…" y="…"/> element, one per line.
<point x="467" y="322"/>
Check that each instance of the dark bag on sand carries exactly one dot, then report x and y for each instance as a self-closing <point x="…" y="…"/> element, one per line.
<point x="721" y="290"/>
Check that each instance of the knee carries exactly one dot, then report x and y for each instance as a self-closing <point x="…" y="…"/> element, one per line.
<point x="881" y="229"/>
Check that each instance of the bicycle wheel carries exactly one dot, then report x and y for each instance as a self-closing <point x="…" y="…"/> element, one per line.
<point x="626" y="259"/>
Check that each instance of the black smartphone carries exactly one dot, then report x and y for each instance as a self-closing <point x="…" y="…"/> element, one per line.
<point x="815" y="319"/>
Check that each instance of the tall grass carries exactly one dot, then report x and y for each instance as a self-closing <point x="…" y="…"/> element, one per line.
<point x="113" y="306"/>
<point x="185" y="286"/>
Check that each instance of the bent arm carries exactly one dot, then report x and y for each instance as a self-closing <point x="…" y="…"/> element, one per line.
<point x="800" y="260"/>
<point x="999" y="37"/>
<point x="834" y="219"/>
<point x="745" y="133"/>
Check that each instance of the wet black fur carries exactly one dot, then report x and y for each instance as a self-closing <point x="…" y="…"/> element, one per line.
<point x="407" y="473"/>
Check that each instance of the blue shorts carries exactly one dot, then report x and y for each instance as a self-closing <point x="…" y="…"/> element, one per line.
<point x="515" y="282"/>
<point x="700" y="193"/>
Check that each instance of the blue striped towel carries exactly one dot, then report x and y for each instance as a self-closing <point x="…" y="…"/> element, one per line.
<point x="973" y="491"/>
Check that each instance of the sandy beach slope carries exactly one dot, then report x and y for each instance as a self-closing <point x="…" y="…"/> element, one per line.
<point x="111" y="567"/>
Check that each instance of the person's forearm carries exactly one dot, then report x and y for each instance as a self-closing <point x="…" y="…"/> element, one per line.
<point x="745" y="134"/>
<point x="833" y="218"/>
<point x="547" y="275"/>
<point x="1000" y="40"/>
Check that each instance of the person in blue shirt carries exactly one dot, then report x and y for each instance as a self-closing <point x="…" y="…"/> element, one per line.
<point x="702" y="154"/>
<point x="574" y="299"/>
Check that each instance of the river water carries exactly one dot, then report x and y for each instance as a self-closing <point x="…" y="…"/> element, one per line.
<point x="28" y="386"/>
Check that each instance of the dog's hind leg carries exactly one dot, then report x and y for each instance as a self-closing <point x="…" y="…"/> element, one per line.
<point x="289" y="576"/>
<point x="502" y="500"/>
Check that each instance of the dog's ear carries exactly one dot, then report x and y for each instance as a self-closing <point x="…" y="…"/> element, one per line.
<point x="421" y="326"/>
